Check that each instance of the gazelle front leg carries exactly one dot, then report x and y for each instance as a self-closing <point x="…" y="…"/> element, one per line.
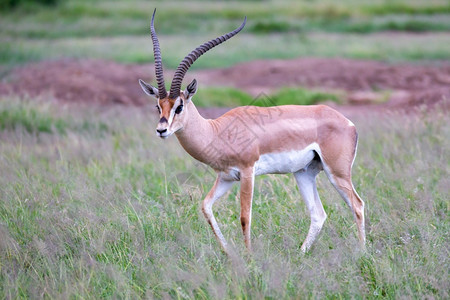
<point x="247" y="181"/>
<point x="220" y="187"/>
<point x="306" y="181"/>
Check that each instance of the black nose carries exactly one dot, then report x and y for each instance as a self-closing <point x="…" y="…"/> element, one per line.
<point x="161" y="130"/>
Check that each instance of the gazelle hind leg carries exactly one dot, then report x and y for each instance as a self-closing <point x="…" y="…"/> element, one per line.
<point x="220" y="187"/>
<point x="344" y="186"/>
<point x="337" y="162"/>
<point x="306" y="181"/>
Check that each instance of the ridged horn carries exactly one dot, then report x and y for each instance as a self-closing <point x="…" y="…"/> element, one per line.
<point x="175" y="87"/>
<point x="158" y="61"/>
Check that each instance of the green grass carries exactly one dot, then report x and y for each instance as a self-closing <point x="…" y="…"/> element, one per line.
<point x="118" y="30"/>
<point x="221" y="97"/>
<point x="107" y="210"/>
<point x="298" y="96"/>
<point x="7" y="5"/>
<point x="392" y="47"/>
<point x="106" y="18"/>
<point x="230" y="97"/>
<point x="362" y="24"/>
<point x="26" y="117"/>
<point x="14" y="117"/>
<point x="93" y="205"/>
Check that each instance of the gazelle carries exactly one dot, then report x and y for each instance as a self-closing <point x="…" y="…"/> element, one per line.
<point x="250" y="141"/>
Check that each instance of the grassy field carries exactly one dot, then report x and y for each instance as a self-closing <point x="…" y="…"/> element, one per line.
<point x="118" y="30"/>
<point x="93" y="205"/>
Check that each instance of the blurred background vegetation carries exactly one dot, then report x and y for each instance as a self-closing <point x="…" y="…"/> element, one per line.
<point x="119" y="30"/>
<point x="6" y="5"/>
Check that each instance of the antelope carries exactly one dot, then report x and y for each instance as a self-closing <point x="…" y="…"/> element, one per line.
<point x="249" y="141"/>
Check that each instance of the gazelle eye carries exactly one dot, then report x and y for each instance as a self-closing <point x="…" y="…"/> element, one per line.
<point x="179" y="109"/>
<point x="159" y="110"/>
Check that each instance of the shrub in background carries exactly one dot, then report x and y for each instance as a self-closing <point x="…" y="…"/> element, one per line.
<point x="11" y="4"/>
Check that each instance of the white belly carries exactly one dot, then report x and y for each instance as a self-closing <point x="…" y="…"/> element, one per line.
<point x="285" y="162"/>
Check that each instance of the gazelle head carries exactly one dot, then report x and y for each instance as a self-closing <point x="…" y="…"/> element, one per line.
<point x="173" y="113"/>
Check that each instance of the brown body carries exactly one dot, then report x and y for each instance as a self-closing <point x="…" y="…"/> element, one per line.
<point x="245" y="133"/>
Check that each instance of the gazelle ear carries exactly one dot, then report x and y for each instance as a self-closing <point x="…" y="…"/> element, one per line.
<point x="148" y="89"/>
<point x="190" y="91"/>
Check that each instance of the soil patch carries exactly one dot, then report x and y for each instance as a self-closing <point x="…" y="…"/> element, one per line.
<point x="79" y="81"/>
<point x="106" y="82"/>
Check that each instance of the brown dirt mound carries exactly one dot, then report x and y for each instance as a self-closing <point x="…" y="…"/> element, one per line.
<point x="105" y="82"/>
<point x="85" y="81"/>
<point x="420" y="84"/>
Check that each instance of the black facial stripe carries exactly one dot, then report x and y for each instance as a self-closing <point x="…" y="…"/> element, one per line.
<point x="163" y="120"/>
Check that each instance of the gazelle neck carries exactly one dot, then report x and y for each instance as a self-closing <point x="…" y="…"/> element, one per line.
<point x="196" y="134"/>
